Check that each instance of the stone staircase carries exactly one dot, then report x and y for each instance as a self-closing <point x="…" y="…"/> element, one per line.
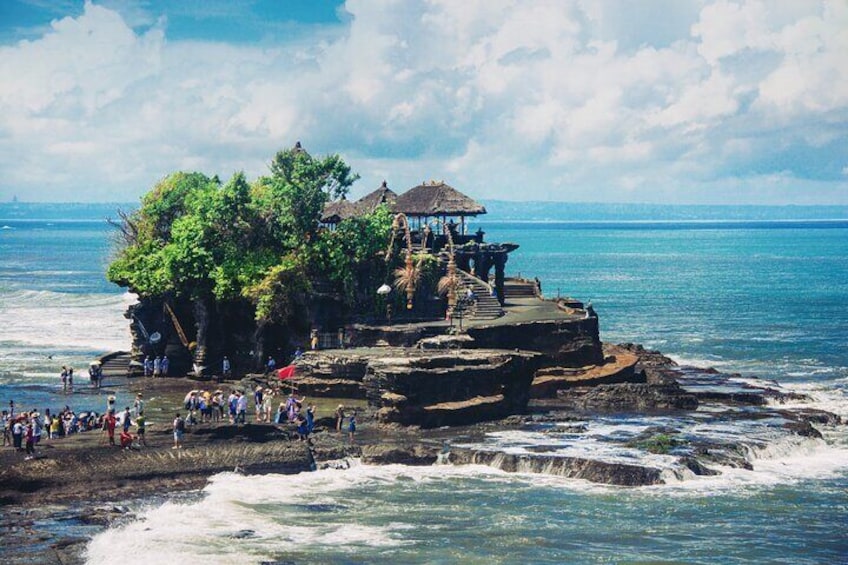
<point x="519" y="289"/>
<point x="486" y="306"/>
<point x="116" y="364"/>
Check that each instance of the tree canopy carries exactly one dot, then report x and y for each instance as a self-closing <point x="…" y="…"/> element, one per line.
<point x="195" y="237"/>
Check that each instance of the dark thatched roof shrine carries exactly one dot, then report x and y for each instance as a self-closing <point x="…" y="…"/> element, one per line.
<point x="437" y="199"/>
<point x="383" y="195"/>
<point x="338" y="210"/>
<point x="433" y="199"/>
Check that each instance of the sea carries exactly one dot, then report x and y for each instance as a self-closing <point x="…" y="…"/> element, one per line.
<point x="758" y="291"/>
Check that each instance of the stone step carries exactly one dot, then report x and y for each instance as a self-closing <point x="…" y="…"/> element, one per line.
<point x="486" y="306"/>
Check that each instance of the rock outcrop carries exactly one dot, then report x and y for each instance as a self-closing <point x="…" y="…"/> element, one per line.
<point x="618" y="367"/>
<point x="432" y="388"/>
<point x="594" y="470"/>
<point x="627" y="397"/>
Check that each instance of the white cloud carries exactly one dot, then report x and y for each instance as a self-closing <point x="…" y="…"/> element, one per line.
<point x="550" y="99"/>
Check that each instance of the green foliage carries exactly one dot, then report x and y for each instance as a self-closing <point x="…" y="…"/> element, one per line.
<point x="281" y="296"/>
<point x="352" y="256"/>
<point x="293" y="197"/>
<point x="193" y="236"/>
<point x="661" y="444"/>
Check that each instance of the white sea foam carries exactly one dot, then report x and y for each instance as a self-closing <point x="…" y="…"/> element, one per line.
<point x="63" y="321"/>
<point x="267" y="513"/>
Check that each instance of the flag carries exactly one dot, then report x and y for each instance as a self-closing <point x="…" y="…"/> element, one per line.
<point x="286" y="372"/>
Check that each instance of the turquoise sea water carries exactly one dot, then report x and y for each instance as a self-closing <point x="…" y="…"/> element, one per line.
<point x="763" y="298"/>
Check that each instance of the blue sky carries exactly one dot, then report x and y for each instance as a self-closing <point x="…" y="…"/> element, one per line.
<point x="661" y="101"/>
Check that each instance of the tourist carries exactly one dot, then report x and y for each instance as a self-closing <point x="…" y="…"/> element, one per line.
<point x="166" y="366"/>
<point x="302" y="432"/>
<point x="351" y="427"/>
<point x="7" y="429"/>
<point x="290" y="407"/>
<point x="64" y="376"/>
<point x="340" y="416"/>
<point x="157" y="367"/>
<point x="48" y="421"/>
<point x="109" y="422"/>
<point x="310" y="417"/>
<point x="126" y="439"/>
<point x="110" y="403"/>
<point x="125" y="419"/>
<point x="232" y="405"/>
<point x="313" y="340"/>
<point x="205" y="406"/>
<point x="12" y="409"/>
<point x="270" y="366"/>
<point x="257" y="402"/>
<point x="29" y="433"/>
<point x="179" y="430"/>
<point x="241" y="408"/>
<point x="18" y="434"/>
<point x="226" y="369"/>
<point x="218" y="406"/>
<point x="298" y="353"/>
<point x="148" y="366"/>
<point x="341" y="337"/>
<point x="55" y="427"/>
<point x="267" y="404"/>
<point x="140" y="427"/>
<point x="70" y="378"/>
<point x="280" y="418"/>
<point x="37" y="425"/>
<point x="138" y="405"/>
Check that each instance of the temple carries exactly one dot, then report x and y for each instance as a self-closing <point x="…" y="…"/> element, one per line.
<point x="437" y="216"/>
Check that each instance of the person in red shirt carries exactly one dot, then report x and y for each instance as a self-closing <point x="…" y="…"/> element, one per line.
<point x="126" y="439"/>
<point x="111" y="422"/>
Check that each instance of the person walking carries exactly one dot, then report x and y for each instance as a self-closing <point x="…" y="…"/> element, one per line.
<point x="140" y="427"/>
<point x="18" y="430"/>
<point x="138" y="405"/>
<point x="29" y="435"/>
<point x="340" y="416"/>
<point x="179" y="430"/>
<point x="351" y="427"/>
<point x="110" y="422"/>
<point x="257" y="402"/>
<point x="241" y="408"/>
<point x="126" y="422"/>
<point x="310" y="417"/>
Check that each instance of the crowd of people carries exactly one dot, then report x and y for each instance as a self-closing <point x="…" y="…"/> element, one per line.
<point x="205" y="406"/>
<point x="23" y="431"/>
<point x="126" y="428"/>
<point x="156" y="367"/>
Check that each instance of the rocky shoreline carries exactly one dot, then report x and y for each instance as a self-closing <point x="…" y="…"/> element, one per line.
<point x="79" y="480"/>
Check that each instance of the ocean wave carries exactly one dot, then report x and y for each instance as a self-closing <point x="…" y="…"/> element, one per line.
<point x="59" y="321"/>
<point x="270" y="516"/>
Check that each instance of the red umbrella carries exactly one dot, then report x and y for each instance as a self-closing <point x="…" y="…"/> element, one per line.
<point x="286" y="372"/>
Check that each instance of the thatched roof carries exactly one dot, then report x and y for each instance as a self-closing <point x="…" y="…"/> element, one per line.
<point x="383" y="195"/>
<point x="437" y="199"/>
<point x="338" y="210"/>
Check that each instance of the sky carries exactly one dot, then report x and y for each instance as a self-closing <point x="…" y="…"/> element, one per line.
<point x="656" y="101"/>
